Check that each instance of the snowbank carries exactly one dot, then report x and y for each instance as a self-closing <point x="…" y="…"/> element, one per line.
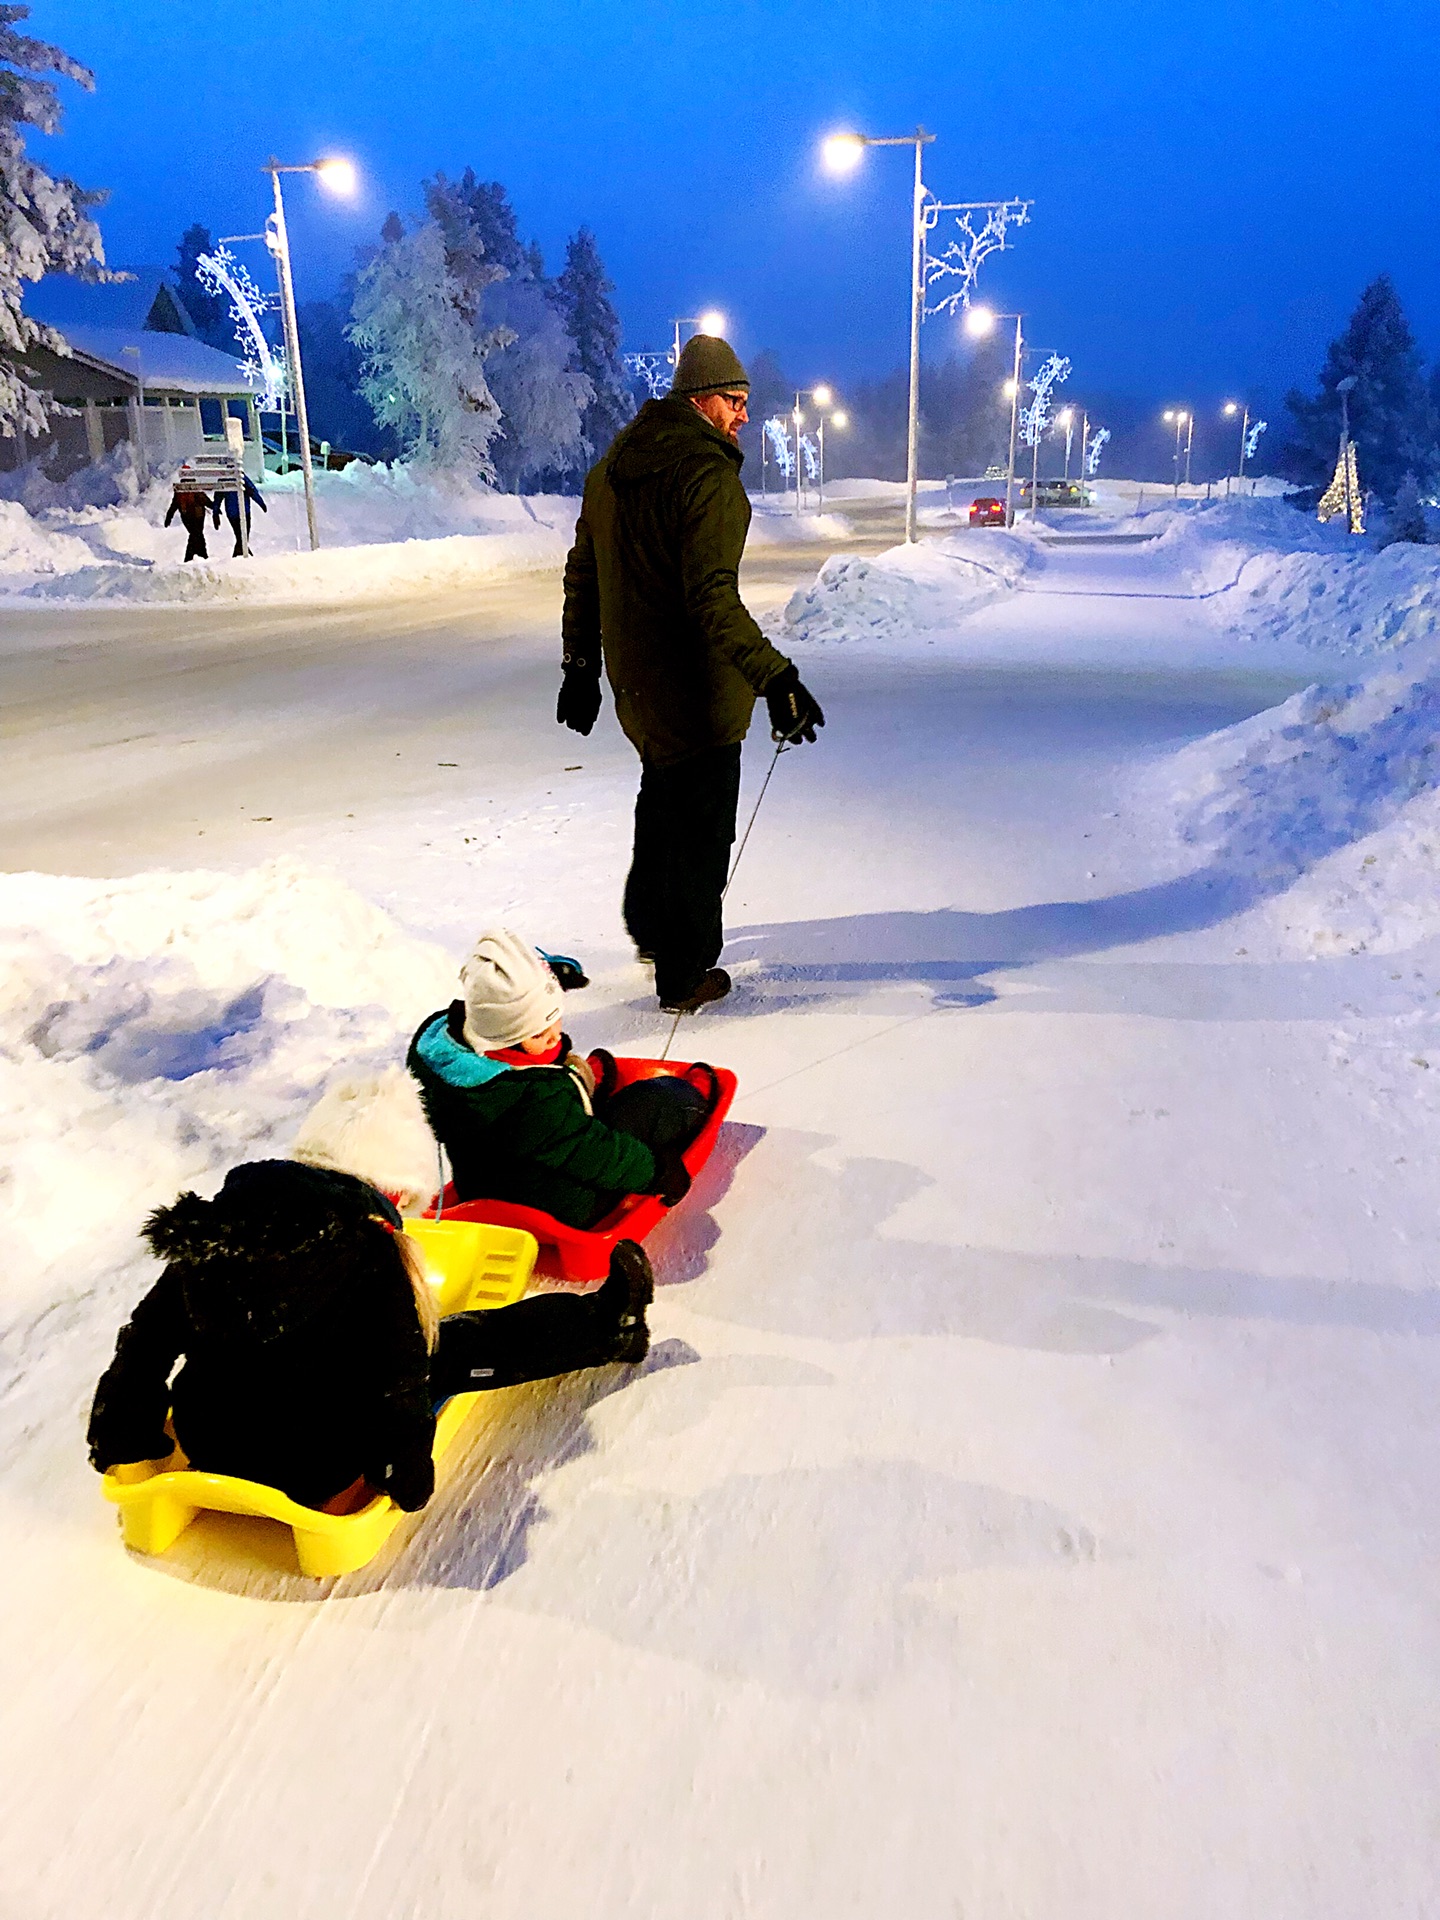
<point x="383" y="530"/>
<point x="156" y="1030"/>
<point x="904" y="595"/>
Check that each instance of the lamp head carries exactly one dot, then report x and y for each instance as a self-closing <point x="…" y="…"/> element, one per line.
<point x="1169" y="414"/>
<point x="841" y="153"/>
<point x="979" y="321"/>
<point x="799" y="418"/>
<point x="822" y="396"/>
<point x="338" y="176"/>
<point x="1231" y="409"/>
<point x="840" y="418"/>
<point x="1065" y="416"/>
<point x="1010" y="389"/>
<point x="712" y="322"/>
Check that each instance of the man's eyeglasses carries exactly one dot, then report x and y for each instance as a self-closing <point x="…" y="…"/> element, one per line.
<point x="736" y="400"/>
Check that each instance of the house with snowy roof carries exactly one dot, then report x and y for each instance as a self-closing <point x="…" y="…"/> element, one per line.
<point x="135" y="372"/>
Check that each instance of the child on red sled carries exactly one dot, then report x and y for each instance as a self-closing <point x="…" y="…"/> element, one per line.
<point x="522" y="1117"/>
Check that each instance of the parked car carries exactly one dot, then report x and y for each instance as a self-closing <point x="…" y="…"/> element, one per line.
<point x="322" y="454"/>
<point x="1057" y="493"/>
<point x="987" y="511"/>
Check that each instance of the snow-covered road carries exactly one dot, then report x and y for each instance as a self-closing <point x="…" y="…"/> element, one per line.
<point x="1028" y="1509"/>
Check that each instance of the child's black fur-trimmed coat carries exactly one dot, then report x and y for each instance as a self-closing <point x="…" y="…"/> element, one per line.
<point x="305" y="1361"/>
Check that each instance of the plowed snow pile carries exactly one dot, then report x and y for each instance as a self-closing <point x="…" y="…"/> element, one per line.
<point x="905" y="594"/>
<point x="155" y="1031"/>
<point x="1334" y="796"/>
<point x="382" y="530"/>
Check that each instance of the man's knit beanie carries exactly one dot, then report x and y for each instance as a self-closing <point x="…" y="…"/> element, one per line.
<point x="510" y="992"/>
<point x="708" y="365"/>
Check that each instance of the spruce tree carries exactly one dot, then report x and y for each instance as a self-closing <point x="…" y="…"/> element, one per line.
<point x="1392" y="421"/>
<point x="422" y="364"/>
<point x="209" y="311"/>
<point x="511" y="307"/>
<point x="582" y="294"/>
<point x="1407" y="516"/>
<point x="45" y="223"/>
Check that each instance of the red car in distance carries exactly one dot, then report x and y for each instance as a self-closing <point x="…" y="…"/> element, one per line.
<point x="987" y="511"/>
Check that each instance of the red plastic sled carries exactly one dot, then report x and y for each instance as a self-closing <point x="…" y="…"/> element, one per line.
<point x="583" y="1253"/>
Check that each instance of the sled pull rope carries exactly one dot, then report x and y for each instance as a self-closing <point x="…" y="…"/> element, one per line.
<point x="734" y="865"/>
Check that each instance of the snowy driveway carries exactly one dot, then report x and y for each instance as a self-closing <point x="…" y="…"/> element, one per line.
<point x="1028" y="1507"/>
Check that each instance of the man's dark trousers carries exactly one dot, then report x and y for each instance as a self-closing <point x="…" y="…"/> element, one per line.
<point x="684" y="830"/>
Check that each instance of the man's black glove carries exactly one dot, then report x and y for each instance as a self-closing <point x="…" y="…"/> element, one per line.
<point x="579" y="704"/>
<point x="794" y="713"/>
<point x="672" y="1176"/>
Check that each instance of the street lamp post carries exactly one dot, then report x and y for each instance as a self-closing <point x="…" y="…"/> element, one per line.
<point x="980" y="321"/>
<point x="1180" y="417"/>
<point x="1231" y="408"/>
<point x="840" y="419"/>
<point x="339" y="176"/>
<point x="1066" y="419"/>
<point x="1189" y="444"/>
<point x="843" y="152"/>
<point x="822" y="396"/>
<point x="1345" y="388"/>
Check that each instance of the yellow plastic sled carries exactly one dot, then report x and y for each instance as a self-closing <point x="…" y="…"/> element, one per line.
<point x="472" y="1267"/>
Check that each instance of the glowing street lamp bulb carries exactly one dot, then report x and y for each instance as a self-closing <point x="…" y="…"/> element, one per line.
<point x="799" y="418"/>
<point x="841" y="153"/>
<point x="1065" y="416"/>
<point x="712" y="321"/>
<point x="822" y="396"/>
<point x="979" y="321"/>
<point x="1230" y="409"/>
<point x="1010" y="389"/>
<point x="337" y="175"/>
<point x="839" y="418"/>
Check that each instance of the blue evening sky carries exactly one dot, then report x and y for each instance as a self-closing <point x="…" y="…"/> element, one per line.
<point x="1214" y="183"/>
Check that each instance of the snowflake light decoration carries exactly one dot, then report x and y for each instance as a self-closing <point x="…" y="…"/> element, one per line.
<point x="812" y="461"/>
<point x="221" y="273"/>
<point x="653" y="367"/>
<point x="1252" y="439"/>
<point x="779" y="439"/>
<point x="1036" y="417"/>
<point x="1092" y="456"/>
<point x="978" y="238"/>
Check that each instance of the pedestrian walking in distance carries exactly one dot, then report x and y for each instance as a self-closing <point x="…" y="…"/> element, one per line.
<point x="231" y="503"/>
<point x="652" y="590"/>
<point x="192" y="508"/>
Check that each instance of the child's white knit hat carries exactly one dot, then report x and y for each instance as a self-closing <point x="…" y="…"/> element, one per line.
<point x="510" y="992"/>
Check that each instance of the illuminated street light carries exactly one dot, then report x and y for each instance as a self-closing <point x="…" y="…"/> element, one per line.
<point x="1183" y="418"/>
<point x="339" y="177"/>
<point x="979" y="322"/>
<point x="841" y="153"/>
<point x="1066" y="418"/>
<point x="824" y="397"/>
<point x="711" y="322"/>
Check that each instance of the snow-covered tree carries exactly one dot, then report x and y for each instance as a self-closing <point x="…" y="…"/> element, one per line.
<point x="1407" y="516"/>
<point x="583" y="294"/>
<point x="45" y="223"/>
<point x="529" y="357"/>
<point x="423" y="362"/>
<point x="209" y="311"/>
<point x="1391" y="418"/>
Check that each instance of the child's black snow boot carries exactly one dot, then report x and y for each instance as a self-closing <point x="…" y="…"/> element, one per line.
<point x="628" y="1290"/>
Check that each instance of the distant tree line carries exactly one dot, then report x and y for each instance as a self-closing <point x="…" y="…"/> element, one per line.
<point x="448" y="344"/>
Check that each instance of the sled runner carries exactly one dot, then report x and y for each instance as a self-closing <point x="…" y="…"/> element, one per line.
<point x="472" y="1267"/>
<point x="583" y="1253"/>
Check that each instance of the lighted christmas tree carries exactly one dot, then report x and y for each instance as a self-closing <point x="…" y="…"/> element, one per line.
<point x="1344" y="486"/>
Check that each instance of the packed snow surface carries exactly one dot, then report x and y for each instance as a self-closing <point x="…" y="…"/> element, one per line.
<point x="1029" y="1505"/>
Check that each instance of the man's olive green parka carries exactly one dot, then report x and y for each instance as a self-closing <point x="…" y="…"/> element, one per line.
<point x="654" y="572"/>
